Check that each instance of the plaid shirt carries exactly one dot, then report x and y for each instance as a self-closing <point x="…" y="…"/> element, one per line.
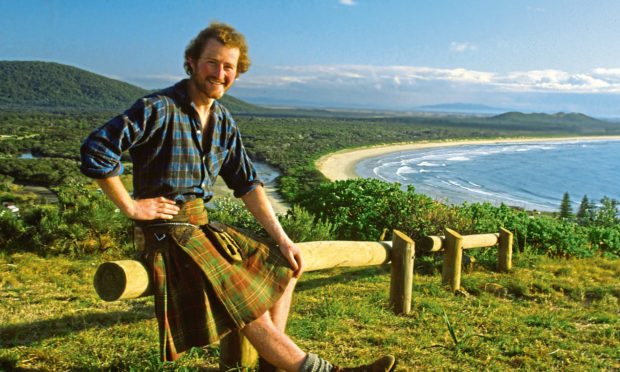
<point x="164" y="136"/>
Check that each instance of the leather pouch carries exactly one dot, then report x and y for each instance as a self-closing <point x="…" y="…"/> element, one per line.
<point x="225" y="244"/>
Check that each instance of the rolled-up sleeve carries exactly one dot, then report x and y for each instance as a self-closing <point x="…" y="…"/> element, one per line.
<point x="101" y="151"/>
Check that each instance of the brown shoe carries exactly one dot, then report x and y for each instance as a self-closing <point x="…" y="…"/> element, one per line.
<point x="386" y="363"/>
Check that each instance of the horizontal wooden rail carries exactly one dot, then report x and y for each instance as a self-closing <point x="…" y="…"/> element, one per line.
<point x="118" y="280"/>
<point x="438" y="243"/>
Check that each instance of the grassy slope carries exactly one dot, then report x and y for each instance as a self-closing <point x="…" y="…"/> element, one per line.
<point x="545" y="315"/>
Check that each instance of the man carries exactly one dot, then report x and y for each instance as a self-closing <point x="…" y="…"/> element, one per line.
<point x="208" y="278"/>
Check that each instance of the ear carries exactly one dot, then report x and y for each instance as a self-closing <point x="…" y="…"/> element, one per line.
<point x="191" y="64"/>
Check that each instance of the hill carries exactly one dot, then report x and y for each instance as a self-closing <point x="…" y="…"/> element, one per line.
<point x="559" y="118"/>
<point x="50" y="86"/>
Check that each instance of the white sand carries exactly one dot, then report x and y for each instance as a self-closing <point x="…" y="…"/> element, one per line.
<point x="340" y="165"/>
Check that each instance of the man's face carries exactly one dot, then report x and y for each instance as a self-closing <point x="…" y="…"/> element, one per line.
<point x="216" y="69"/>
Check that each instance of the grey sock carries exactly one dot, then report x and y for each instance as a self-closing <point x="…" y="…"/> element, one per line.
<point x="315" y="364"/>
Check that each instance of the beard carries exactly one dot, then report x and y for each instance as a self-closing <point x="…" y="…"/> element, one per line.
<point x="210" y="87"/>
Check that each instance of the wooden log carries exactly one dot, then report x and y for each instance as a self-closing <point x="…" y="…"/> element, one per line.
<point x="328" y="254"/>
<point x="437" y="243"/>
<point x="126" y="279"/>
<point x="236" y="352"/>
<point x="452" y="258"/>
<point x="117" y="280"/>
<point x="504" y="252"/>
<point x="401" y="283"/>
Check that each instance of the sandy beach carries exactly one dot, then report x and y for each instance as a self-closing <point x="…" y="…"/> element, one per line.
<point x="340" y="165"/>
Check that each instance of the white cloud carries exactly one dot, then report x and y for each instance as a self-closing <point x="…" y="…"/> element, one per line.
<point x="462" y="47"/>
<point x="371" y="77"/>
<point x="348" y="2"/>
<point x="410" y="86"/>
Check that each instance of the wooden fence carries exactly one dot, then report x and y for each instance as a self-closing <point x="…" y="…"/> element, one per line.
<point x="129" y="279"/>
<point x="452" y="245"/>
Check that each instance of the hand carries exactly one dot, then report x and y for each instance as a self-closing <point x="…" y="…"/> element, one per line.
<point x="293" y="255"/>
<point x="153" y="208"/>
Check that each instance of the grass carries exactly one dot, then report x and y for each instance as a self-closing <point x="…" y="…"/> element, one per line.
<point x="546" y="314"/>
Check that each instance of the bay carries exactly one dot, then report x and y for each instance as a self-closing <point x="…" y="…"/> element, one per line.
<point x="529" y="175"/>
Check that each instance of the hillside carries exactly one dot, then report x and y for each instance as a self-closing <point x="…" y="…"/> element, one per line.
<point x="49" y="86"/>
<point x="561" y="117"/>
<point x="53" y="86"/>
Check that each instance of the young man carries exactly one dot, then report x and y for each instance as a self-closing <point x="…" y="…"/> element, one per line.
<point x="208" y="278"/>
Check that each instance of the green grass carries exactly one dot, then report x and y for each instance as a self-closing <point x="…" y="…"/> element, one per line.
<point x="547" y="314"/>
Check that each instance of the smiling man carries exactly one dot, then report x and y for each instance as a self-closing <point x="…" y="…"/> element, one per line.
<point x="209" y="278"/>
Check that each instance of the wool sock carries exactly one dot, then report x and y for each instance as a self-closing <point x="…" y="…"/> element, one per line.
<point x="315" y="364"/>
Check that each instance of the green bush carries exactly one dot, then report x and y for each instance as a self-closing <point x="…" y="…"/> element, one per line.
<point x="11" y="229"/>
<point x="84" y="222"/>
<point x="233" y="212"/>
<point x="360" y="209"/>
<point x="302" y="226"/>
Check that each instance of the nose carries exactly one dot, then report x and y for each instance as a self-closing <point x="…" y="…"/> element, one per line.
<point x="219" y="70"/>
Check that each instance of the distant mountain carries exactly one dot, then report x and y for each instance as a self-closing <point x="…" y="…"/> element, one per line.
<point x="49" y="86"/>
<point x="469" y="108"/>
<point x="559" y="118"/>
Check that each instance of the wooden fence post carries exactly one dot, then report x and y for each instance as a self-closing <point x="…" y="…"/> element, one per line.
<point x="452" y="258"/>
<point x="236" y="352"/>
<point x="504" y="252"/>
<point x="401" y="282"/>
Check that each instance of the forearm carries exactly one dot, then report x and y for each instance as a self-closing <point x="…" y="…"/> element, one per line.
<point x="118" y="194"/>
<point x="144" y="209"/>
<point x="259" y="205"/>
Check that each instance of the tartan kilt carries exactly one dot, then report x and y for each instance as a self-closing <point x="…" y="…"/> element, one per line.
<point x="200" y="295"/>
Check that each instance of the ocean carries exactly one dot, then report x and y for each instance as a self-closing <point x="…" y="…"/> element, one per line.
<point x="529" y="175"/>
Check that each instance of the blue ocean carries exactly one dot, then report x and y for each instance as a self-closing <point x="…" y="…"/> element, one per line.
<point x="529" y="175"/>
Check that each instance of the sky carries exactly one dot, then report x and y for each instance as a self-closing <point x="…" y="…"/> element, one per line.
<point x="531" y="56"/>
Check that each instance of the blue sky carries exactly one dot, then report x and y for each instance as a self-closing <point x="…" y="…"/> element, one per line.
<point x="524" y="55"/>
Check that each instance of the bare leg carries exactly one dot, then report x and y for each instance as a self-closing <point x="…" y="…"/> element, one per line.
<point x="280" y="310"/>
<point x="274" y="345"/>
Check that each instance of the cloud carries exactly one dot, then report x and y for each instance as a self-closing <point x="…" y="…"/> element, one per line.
<point x="462" y="47"/>
<point x="596" y="81"/>
<point x="406" y="87"/>
<point x="347" y="2"/>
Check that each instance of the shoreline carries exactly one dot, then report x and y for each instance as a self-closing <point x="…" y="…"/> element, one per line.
<point x="340" y="165"/>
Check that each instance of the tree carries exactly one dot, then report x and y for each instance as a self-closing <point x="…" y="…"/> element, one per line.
<point x="606" y="214"/>
<point x="586" y="211"/>
<point x="566" y="209"/>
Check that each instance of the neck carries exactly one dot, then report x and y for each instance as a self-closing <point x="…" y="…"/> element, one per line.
<point x="203" y="104"/>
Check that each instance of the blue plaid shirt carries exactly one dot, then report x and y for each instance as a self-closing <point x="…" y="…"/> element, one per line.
<point x="164" y="136"/>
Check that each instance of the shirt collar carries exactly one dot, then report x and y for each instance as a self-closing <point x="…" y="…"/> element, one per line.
<point x="181" y="91"/>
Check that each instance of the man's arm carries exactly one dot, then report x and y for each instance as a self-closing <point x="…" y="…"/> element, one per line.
<point x="258" y="204"/>
<point x="143" y="209"/>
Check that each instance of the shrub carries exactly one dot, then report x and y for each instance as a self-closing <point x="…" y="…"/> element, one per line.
<point x="302" y="226"/>
<point x="360" y="209"/>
